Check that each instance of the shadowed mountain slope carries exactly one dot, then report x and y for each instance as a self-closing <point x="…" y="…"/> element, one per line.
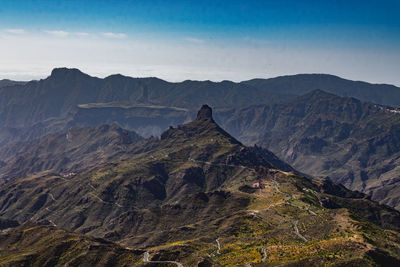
<point x="65" y="89"/>
<point x="198" y="196"/>
<point x="301" y="84"/>
<point x="76" y="150"/>
<point x="351" y="142"/>
<point x="6" y="82"/>
<point x="34" y="244"/>
<point x="60" y="93"/>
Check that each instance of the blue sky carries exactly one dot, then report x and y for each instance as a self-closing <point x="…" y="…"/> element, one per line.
<point x="178" y="40"/>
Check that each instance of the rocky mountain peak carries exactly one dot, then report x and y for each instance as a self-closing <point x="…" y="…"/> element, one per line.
<point x="64" y="72"/>
<point x="205" y="113"/>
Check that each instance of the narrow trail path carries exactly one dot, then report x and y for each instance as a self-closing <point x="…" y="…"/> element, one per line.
<point x="316" y="195"/>
<point x="296" y="230"/>
<point x="218" y="246"/>
<point x="221" y="164"/>
<point x="264" y="251"/>
<point x="276" y="187"/>
<point x="307" y="209"/>
<point x="276" y="184"/>
<point x="51" y="196"/>
<point x="319" y="200"/>
<point x="311" y="212"/>
<point x="147" y="260"/>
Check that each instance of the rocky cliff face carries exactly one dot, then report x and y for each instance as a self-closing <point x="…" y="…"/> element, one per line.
<point x="349" y="141"/>
<point x="344" y="139"/>
<point x="60" y="95"/>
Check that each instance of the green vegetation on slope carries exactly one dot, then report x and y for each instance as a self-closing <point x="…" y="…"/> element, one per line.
<point x="41" y="245"/>
<point x="326" y="136"/>
<point x="195" y="196"/>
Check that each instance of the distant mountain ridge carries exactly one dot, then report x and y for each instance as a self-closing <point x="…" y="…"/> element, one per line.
<point x="301" y="84"/>
<point x="6" y="82"/>
<point x="70" y="98"/>
<point x="64" y="89"/>
<point x="349" y="141"/>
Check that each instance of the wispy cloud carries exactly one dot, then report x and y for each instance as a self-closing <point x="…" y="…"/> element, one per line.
<point x="81" y="34"/>
<point x="15" y="31"/>
<point x="114" y="35"/>
<point x="194" y="40"/>
<point x="35" y="53"/>
<point x="57" y="33"/>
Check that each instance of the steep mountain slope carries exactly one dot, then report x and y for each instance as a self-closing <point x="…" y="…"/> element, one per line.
<point x="34" y="244"/>
<point x="60" y="93"/>
<point x="33" y="131"/>
<point x="76" y="150"/>
<point x="52" y="97"/>
<point x="304" y="83"/>
<point x="149" y="121"/>
<point x="198" y="196"/>
<point x="351" y="142"/>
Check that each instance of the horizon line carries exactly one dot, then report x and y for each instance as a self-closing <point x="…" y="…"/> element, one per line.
<point x="194" y="80"/>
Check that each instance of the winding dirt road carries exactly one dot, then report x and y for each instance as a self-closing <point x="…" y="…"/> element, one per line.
<point x="296" y="230"/>
<point x="264" y="251"/>
<point x="146" y="260"/>
<point x="218" y="245"/>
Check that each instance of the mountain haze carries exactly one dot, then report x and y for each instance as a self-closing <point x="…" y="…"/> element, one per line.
<point x="6" y="82"/>
<point x="64" y="89"/>
<point x="268" y="112"/>
<point x="198" y="196"/>
<point x="343" y="139"/>
<point x="301" y="84"/>
<point x="76" y="149"/>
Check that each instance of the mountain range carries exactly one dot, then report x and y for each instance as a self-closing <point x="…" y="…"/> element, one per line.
<point x="193" y="196"/>
<point x="65" y="89"/>
<point x="332" y="135"/>
<point x="126" y="170"/>
<point x="326" y="136"/>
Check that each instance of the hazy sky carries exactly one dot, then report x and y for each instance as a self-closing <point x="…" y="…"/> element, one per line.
<point x="202" y="40"/>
